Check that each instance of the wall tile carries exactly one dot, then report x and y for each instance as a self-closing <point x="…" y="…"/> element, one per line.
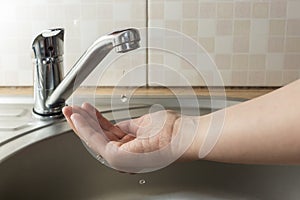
<point x="257" y="62"/>
<point x="276" y="44"/>
<point x="289" y="76"/>
<point x="224" y="44"/>
<point x="157" y="10"/>
<point x="207" y="9"/>
<point x="88" y="12"/>
<point x="190" y="27"/>
<point x="292" y="61"/>
<point x="242" y="9"/>
<point x="224" y="27"/>
<point x="241" y="27"/>
<point x="256" y="78"/>
<point x="190" y="10"/>
<point x="239" y="77"/>
<point x="274" y="77"/>
<point x="173" y="10"/>
<point x="226" y="76"/>
<point x="241" y="44"/>
<point x="278" y="9"/>
<point x="208" y="43"/>
<point x="104" y="11"/>
<point x="223" y="61"/>
<point x="206" y="27"/>
<point x="225" y="10"/>
<point x="293" y="27"/>
<point x="292" y="44"/>
<point x="293" y="10"/>
<point x="240" y="62"/>
<point x="172" y="24"/>
<point x="275" y="61"/>
<point x="259" y="27"/>
<point x="277" y="27"/>
<point x="260" y="9"/>
<point x="258" y="44"/>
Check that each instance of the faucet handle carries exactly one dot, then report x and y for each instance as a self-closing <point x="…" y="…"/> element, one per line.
<point x="49" y="44"/>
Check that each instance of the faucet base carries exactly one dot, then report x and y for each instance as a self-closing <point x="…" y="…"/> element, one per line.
<point x="58" y="115"/>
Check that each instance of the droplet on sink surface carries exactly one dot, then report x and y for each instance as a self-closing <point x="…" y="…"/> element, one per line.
<point x="142" y="181"/>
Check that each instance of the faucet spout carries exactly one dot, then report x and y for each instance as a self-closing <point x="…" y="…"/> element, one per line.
<point x="122" y="41"/>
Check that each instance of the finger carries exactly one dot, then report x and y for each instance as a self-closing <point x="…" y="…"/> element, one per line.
<point x="134" y="145"/>
<point x="126" y="138"/>
<point x="84" y="114"/>
<point x="95" y="140"/>
<point x="129" y="126"/>
<point x="90" y="109"/>
<point x="93" y="123"/>
<point x="67" y="111"/>
<point x="124" y="125"/>
<point x="104" y="123"/>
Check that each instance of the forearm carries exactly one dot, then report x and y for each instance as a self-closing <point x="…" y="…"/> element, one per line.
<point x="262" y="130"/>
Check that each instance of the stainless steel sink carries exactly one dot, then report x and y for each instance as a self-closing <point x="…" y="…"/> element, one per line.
<point x="52" y="163"/>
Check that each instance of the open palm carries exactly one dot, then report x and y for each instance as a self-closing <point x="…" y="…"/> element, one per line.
<point x="144" y="140"/>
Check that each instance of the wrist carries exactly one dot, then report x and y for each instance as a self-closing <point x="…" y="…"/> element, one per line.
<point x="198" y="126"/>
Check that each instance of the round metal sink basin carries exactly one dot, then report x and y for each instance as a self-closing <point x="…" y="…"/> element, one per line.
<point x="59" y="167"/>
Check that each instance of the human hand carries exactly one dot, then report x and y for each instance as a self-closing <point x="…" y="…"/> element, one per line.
<point x="138" y="145"/>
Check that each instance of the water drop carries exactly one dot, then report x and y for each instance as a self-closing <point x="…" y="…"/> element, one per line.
<point x="124" y="98"/>
<point x="98" y="157"/>
<point x="142" y="181"/>
<point x="102" y="161"/>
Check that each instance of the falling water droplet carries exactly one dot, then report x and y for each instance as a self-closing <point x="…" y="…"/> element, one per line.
<point x="124" y="98"/>
<point x="142" y="181"/>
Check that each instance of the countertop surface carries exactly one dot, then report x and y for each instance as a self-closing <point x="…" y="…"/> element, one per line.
<point x="246" y="93"/>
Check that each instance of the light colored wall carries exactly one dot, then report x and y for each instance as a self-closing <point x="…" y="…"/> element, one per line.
<point x="84" y="21"/>
<point x="252" y="42"/>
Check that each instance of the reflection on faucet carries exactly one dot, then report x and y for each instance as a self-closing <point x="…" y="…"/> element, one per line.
<point x="50" y="89"/>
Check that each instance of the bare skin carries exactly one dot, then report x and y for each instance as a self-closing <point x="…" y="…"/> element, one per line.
<point x="265" y="130"/>
<point x="123" y="141"/>
<point x="124" y="134"/>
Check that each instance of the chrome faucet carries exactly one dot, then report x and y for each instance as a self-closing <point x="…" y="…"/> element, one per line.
<point x="51" y="90"/>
